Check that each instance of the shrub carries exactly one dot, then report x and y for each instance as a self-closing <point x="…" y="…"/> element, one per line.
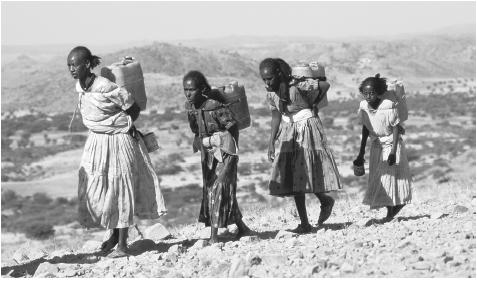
<point x="8" y="196"/>
<point x="39" y="230"/>
<point x="41" y="198"/>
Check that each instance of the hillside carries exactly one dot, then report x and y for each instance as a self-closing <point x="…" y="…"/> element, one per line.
<point x="420" y="61"/>
<point x="432" y="237"/>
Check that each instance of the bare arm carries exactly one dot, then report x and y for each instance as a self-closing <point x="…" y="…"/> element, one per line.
<point x="276" y="119"/>
<point x="364" y="138"/>
<point x="133" y="111"/>
<point x="392" y="154"/>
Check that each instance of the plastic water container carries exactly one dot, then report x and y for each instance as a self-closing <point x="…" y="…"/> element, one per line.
<point x="128" y="74"/>
<point x="234" y="95"/>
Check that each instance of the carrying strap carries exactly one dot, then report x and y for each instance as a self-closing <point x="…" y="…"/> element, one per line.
<point x="72" y="119"/>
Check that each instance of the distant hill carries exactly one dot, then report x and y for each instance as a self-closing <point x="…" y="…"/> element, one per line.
<point x="28" y="82"/>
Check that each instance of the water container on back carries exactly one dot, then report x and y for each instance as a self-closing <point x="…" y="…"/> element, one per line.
<point x="128" y="74"/>
<point x="234" y="95"/>
<point x="396" y="94"/>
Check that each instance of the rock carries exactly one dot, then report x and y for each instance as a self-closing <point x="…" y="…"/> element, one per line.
<point x="208" y="255"/>
<point x="61" y="253"/>
<point x="285" y="234"/>
<point x="347" y="268"/>
<point x="460" y="209"/>
<point x="437" y="215"/>
<point x="204" y="233"/>
<point x="220" y="270"/>
<point x="171" y="256"/>
<point x="134" y="233"/>
<point x="141" y="246"/>
<point x="176" y="248"/>
<point x="91" y="246"/>
<point x="422" y="266"/>
<point x="253" y="259"/>
<point x="28" y="252"/>
<point x="274" y="260"/>
<point x="249" y="239"/>
<point x="448" y="259"/>
<point x="157" y="232"/>
<point x="45" y="268"/>
<point x="199" y="244"/>
<point x="404" y="243"/>
<point x="238" y="268"/>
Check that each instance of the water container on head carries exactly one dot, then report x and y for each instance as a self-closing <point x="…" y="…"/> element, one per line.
<point x="128" y="74"/>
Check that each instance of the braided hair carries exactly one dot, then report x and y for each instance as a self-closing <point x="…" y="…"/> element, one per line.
<point x="283" y="71"/>
<point x="377" y="83"/>
<point x="86" y="53"/>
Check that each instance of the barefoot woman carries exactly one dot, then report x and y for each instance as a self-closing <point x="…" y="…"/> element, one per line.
<point x="216" y="136"/>
<point x="116" y="178"/>
<point x="303" y="162"/>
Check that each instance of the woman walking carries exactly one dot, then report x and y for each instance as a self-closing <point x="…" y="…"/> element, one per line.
<point x="216" y="137"/>
<point x="303" y="162"/>
<point x="116" y="178"/>
<point x="389" y="183"/>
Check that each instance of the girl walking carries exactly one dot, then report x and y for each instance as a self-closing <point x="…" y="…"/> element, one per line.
<point x="389" y="182"/>
<point x="303" y="162"/>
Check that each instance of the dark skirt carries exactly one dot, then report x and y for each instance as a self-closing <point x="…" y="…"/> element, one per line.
<point x="303" y="161"/>
<point x="219" y="206"/>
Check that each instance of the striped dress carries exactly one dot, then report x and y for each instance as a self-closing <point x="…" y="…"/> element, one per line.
<point x="387" y="185"/>
<point x="116" y="177"/>
<point x="304" y="162"/>
<point x="219" y="206"/>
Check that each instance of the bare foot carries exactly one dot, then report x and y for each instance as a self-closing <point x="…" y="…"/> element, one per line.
<point x="244" y="230"/>
<point x="396" y="209"/>
<point x="326" y="211"/>
<point x="109" y="244"/>
<point x="302" y="228"/>
<point x="118" y="253"/>
<point x="213" y="240"/>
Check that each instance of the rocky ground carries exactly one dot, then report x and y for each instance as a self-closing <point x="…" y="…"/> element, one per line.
<point x="432" y="237"/>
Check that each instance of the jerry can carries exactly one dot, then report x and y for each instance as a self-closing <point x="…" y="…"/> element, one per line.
<point x="128" y="74"/>
<point x="236" y="99"/>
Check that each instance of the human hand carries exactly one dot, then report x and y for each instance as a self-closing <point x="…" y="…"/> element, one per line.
<point x="271" y="152"/>
<point x="359" y="161"/>
<point x="391" y="159"/>
<point x="401" y="130"/>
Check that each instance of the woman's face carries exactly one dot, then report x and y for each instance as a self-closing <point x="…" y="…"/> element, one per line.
<point x="370" y="94"/>
<point x="270" y="78"/>
<point x="192" y="91"/>
<point x="78" y="66"/>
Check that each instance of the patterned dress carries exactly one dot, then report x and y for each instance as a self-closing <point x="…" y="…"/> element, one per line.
<point x="303" y="163"/>
<point x="116" y="177"/>
<point x="219" y="206"/>
<point x="387" y="185"/>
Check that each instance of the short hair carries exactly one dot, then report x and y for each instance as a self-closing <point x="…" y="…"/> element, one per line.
<point x="93" y="60"/>
<point x="379" y="84"/>
<point x="198" y="77"/>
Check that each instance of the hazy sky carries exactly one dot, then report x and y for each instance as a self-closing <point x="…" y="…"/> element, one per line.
<point x="119" y="22"/>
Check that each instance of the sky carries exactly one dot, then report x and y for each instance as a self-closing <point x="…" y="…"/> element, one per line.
<point x="111" y="22"/>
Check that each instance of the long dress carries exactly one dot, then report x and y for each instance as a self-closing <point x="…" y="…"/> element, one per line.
<point x="303" y="163"/>
<point x="387" y="185"/>
<point x="116" y="177"/>
<point x="219" y="206"/>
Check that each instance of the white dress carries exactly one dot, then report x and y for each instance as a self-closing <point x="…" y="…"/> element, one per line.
<point x="387" y="185"/>
<point x="116" y="177"/>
